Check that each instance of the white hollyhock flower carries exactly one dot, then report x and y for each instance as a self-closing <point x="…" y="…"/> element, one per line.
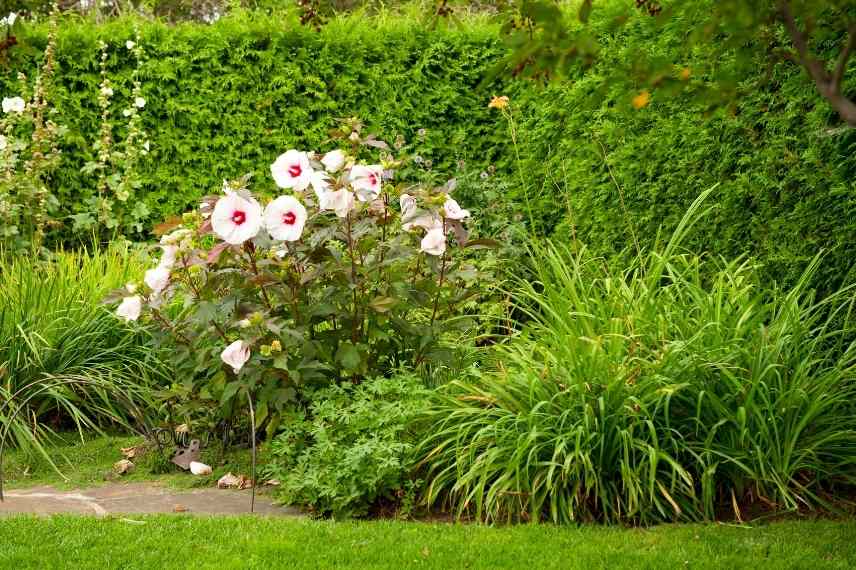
<point x="127" y="112"/>
<point x="157" y="279"/>
<point x="236" y="219"/>
<point x="285" y="218"/>
<point x="454" y="211"/>
<point x="366" y="181"/>
<point x="129" y="44"/>
<point x="139" y="102"/>
<point x="236" y="355"/>
<point x="292" y="170"/>
<point x="13" y="105"/>
<point x="130" y="307"/>
<point x="340" y="201"/>
<point x="333" y="160"/>
<point x="3" y="142"/>
<point x="434" y="242"/>
<point x="107" y="91"/>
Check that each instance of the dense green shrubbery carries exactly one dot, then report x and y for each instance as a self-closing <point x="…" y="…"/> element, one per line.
<point x="65" y="361"/>
<point x="225" y="98"/>
<point x="678" y="388"/>
<point x="351" y="448"/>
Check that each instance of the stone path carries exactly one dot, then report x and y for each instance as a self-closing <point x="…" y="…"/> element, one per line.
<point x="138" y="498"/>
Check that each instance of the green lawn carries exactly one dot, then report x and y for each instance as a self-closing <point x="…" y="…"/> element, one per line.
<point x="174" y="541"/>
<point x="87" y="463"/>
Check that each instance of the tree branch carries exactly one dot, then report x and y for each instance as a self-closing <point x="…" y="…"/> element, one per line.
<point x="829" y="86"/>
<point x="844" y="57"/>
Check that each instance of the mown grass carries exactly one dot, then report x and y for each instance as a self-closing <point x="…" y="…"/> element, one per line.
<point x="174" y="541"/>
<point x="88" y="462"/>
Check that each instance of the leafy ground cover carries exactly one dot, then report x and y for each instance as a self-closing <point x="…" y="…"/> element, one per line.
<point x="245" y="542"/>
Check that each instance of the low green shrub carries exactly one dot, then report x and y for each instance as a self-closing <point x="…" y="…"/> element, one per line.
<point x="350" y="451"/>
<point x="677" y="388"/>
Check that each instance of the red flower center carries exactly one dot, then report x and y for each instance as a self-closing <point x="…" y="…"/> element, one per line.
<point x="372" y="179"/>
<point x="289" y="218"/>
<point x="294" y="170"/>
<point x="239" y="217"/>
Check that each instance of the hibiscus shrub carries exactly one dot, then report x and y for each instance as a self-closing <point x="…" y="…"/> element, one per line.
<point x="350" y="280"/>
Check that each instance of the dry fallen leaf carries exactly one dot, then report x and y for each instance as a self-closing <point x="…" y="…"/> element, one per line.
<point x="272" y="482"/>
<point x="183" y="428"/>
<point x="123" y="466"/>
<point x="228" y="481"/>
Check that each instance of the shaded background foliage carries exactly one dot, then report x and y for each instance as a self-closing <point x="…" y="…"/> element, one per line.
<point x="226" y="99"/>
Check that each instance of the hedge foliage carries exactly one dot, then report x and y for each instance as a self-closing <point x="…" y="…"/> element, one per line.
<point x="226" y="99"/>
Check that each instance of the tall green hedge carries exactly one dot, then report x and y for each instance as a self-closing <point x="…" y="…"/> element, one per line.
<point x="223" y="100"/>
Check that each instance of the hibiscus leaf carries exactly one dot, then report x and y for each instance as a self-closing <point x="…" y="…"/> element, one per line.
<point x="348" y="356"/>
<point x="215" y="252"/>
<point x="382" y="304"/>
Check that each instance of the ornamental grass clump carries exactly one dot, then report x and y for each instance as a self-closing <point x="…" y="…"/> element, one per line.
<point x="678" y="388"/>
<point x="344" y="274"/>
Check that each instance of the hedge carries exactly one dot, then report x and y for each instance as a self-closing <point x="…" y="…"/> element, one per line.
<point x="225" y="99"/>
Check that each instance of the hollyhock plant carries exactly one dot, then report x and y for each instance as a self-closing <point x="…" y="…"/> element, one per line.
<point x="321" y="287"/>
<point x="285" y="218"/>
<point x="292" y="170"/>
<point x="236" y="219"/>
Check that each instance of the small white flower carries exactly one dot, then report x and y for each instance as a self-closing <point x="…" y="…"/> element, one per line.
<point x="127" y="112"/>
<point x="13" y="105"/>
<point x="434" y="242"/>
<point x="236" y="219"/>
<point x="9" y="20"/>
<point x="130" y="44"/>
<point x="131" y="288"/>
<point x="454" y="211"/>
<point x="341" y="201"/>
<point x="139" y="102"/>
<point x="285" y="218"/>
<point x="236" y="355"/>
<point x="366" y="181"/>
<point x="107" y="91"/>
<point x="244" y="323"/>
<point x="292" y="170"/>
<point x="3" y="142"/>
<point x="333" y="160"/>
<point x="130" y="307"/>
<point x="146" y="146"/>
<point x="157" y="279"/>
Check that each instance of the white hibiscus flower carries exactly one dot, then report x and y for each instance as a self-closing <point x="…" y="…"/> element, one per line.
<point x="236" y="219"/>
<point x="454" y="211"/>
<point x="366" y="181"/>
<point x="333" y="160"/>
<point x="284" y="218"/>
<point x="130" y="307"/>
<point x="292" y="170"/>
<point x="434" y="242"/>
<point x="340" y="201"/>
<point x="236" y="355"/>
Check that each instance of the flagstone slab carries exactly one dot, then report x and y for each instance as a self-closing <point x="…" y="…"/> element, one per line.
<point x="139" y="498"/>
